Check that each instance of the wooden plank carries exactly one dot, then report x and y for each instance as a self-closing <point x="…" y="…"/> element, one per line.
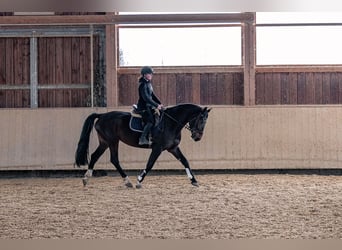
<point x="196" y="88"/>
<point x="156" y="83"/>
<point x="318" y="82"/>
<point x="85" y="60"/>
<point x="180" y="88"/>
<point x="326" y="88"/>
<point x="128" y="90"/>
<point x="212" y="87"/>
<point x="42" y="98"/>
<point x="2" y="63"/>
<point x="204" y="88"/>
<point x="164" y="93"/>
<point x="26" y="61"/>
<point x="309" y="88"/>
<point x="339" y="76"/>
<point x="260" y="88"/>
<point x="67" y="98"/>
<point x="42" y="61"/>
<point x="18" y="62"/>
<point x="284" y="88"/>
<point x="171" y="90"/>
<point x="2" y="98"/>
<point x="221" y="90"/>
<point x="26" y="99"/>
<point x="77" y="101"/>
<point x="9" y="77"/>
<point x="67" y="51"/>
<point x="59" y="61"/>
<point x="75" y="60"/>
<point x="238" y="89"/>
<point x="9" y="94"/>
<point x="229" y="88"/>
<point x="268" y="89"/>
<point x="276" y="89"/>
<point x="134" y="93"/>
<point x="301" y="88"/>
<point x="188" y="88"/>
<point x="59" y="98"/>
<point x="293" y="88"/>
<point x="51" y="60"/>
<point x="334" y="88"/>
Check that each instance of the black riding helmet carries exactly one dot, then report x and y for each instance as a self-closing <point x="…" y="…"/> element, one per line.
<point x="146" y="70"/>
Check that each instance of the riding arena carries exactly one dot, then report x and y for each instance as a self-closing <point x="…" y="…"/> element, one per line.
<point x="240" y="151"/>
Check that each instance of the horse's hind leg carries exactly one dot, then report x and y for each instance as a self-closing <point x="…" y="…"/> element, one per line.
<point x="176" y="152"/>
<point x="114" y="159"/>
<point x="93" y="159"/>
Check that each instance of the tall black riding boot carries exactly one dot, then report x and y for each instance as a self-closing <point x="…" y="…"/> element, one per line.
<point x="143" y="140"/>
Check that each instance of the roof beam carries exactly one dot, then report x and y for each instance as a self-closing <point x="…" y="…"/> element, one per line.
<point x="126" y="19"/>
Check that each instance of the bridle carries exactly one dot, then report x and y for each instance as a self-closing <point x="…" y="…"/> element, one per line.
<point x="186" y="126"/>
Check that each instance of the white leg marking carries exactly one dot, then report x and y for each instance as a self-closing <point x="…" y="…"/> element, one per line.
<point x="89" y="173"/>
<point x="188" y="173"/>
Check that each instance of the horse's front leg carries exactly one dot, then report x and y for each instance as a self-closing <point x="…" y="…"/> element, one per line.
<point x="176" y="152"/>
<point x="152" y="159"/>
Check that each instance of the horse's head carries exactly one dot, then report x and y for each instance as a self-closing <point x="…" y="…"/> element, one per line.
<point x="197" y="124"/>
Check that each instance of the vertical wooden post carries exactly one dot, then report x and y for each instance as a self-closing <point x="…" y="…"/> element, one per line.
<point x="33" y="72"/>
<point x="111" y="65"/>
<point x="248" y="55"/>
<point x="92" y="65"/>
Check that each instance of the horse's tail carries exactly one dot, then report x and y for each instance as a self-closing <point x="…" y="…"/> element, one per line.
<point x="81" y="155"/>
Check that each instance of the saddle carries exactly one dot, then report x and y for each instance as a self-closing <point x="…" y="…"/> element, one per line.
<point x="136" y="122"/>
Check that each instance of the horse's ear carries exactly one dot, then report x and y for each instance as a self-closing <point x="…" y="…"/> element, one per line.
<point x="208" y="109"/>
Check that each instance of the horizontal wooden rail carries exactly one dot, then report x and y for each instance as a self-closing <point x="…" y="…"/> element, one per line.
<point x="298" y="68"/>
<point x="185" y="69"/>
<point x="44" y="86"/>
<point x="126" y="19"/>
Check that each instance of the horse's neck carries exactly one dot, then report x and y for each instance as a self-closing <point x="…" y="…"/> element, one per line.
<point x="183" y="116"/>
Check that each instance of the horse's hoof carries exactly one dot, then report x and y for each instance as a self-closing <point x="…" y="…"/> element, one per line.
<point x="195" y="184"/>
<point x="128" y="184"/>
<point x="85" y="181"/>
<point x="138" y="186"/>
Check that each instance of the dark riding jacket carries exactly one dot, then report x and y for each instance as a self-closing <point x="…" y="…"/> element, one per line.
<point x="147" y="99"/>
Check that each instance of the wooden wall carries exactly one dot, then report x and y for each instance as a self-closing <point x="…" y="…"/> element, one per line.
<point x="15" y="72"/>
<point x="299" y="88"/>
<point x="63" y="61"/>
<point x="64" y="64"/>
<point x="175" y="88"/>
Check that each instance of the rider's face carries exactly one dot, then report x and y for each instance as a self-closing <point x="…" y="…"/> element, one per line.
<point x="148" y="76"/>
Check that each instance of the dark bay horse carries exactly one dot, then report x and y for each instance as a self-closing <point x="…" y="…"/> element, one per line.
<point x="113" y="127"/>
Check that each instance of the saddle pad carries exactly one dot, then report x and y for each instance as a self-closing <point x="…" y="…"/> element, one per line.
<point x="135" y="124"/>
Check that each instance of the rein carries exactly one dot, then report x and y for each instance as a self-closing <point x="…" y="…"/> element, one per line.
<point x="173" y="119"/>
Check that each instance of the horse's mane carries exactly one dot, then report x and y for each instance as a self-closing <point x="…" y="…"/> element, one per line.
<point x="183" y="106"/>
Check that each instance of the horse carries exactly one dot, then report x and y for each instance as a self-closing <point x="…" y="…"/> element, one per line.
<point x="113" y="127"/>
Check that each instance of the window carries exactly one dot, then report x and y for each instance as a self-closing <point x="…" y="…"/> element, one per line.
<point x="179" y="46"/>
<point x="298" y="38"/>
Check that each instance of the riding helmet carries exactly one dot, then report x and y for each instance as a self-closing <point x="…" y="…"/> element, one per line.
<point x="146" y="70"/>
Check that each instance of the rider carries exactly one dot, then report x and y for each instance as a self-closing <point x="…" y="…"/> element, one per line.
<point x="147" y="101"/>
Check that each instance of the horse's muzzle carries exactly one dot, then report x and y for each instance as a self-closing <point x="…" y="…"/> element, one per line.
<point x="196" y="136"/>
